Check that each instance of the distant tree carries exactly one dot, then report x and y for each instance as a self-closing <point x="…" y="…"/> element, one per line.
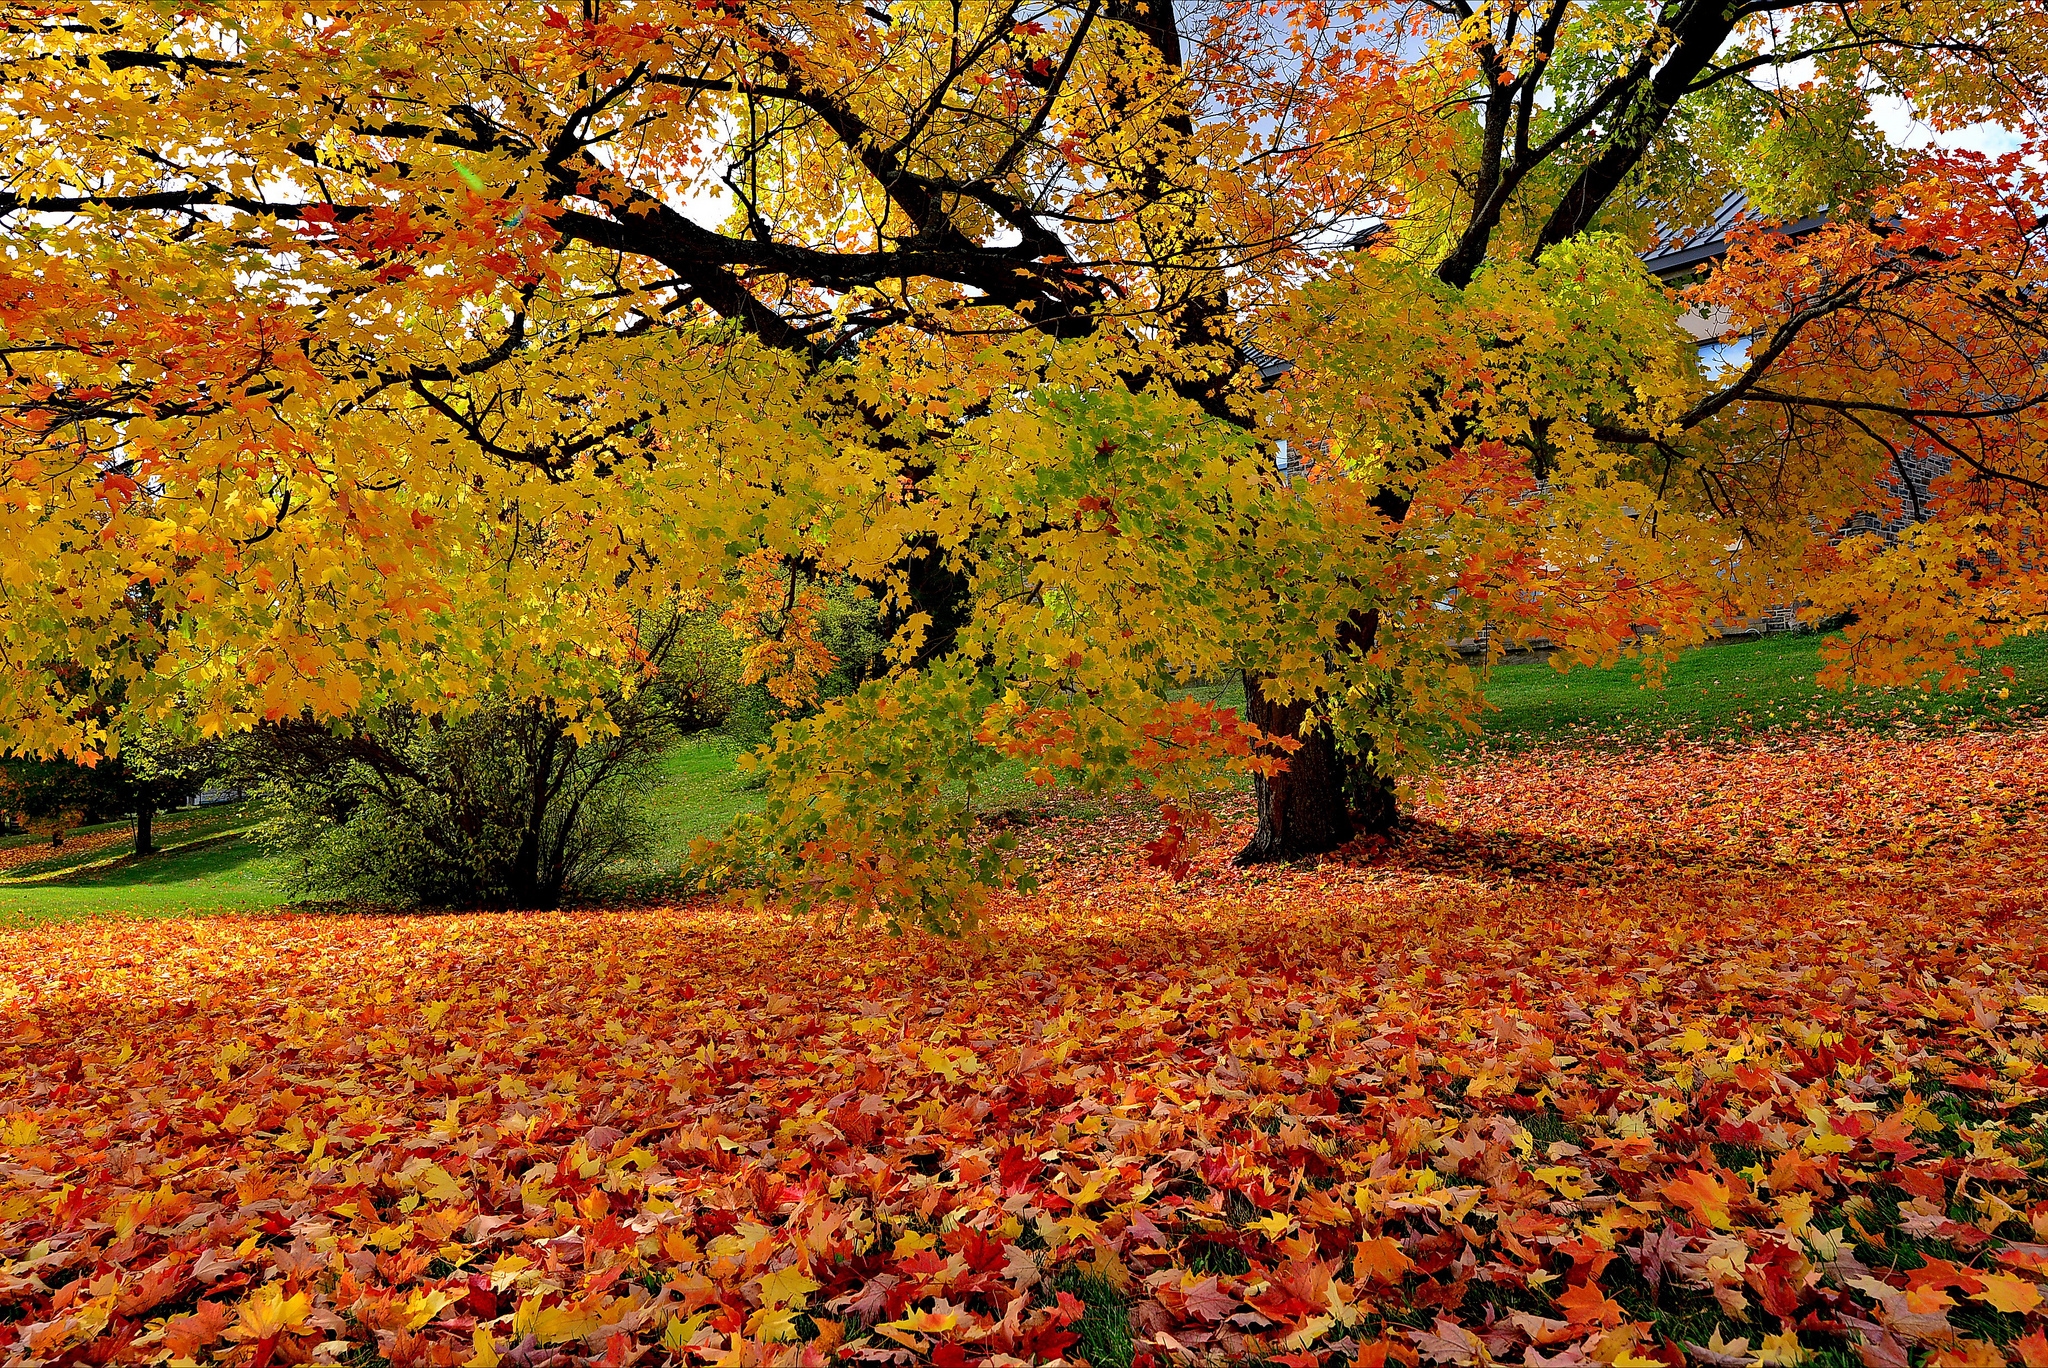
<point x="151" y="773"/>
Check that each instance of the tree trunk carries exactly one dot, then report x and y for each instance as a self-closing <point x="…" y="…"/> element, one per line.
<point x="1375" y="808"/>
<point x="143" y="813"/>
<point x="530" y="886"/>
<point x="1303" y="809"/>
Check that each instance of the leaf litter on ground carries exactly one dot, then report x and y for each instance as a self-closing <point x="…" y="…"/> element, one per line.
<point x="1723" y="1056"/>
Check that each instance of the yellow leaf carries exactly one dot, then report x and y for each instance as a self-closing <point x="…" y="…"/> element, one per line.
<point x="422" y="1306"/>
<point x="1272" y="1227"/>
<point x="1782" y="1351"/>
<point x="390" y="1238"/>
<point x="269" y="1313"/>
<point x="677" y="1334"/>
<point x="1109" y="1268"/>
<point x="506" y="1270"/>
<point x="772" y="1325"/>
<point x="1827" y="1142"/>
<point x="1566" y="1181"/>
<point x="918" y="1323"/>
<point x="551" y="1324"/>
<point x="911" y="1242"/>
<point x="2007" y="1292"/>
<point x="438" y="1184"/>
<point x="786" y="1287"/>
<point x="486" y="1355"/>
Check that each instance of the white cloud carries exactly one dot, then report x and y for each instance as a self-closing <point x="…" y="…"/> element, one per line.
<point x="1894" y="117"/>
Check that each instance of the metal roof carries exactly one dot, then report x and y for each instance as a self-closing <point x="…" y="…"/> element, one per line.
<point x="1677" y="251"/>
<point x="1681" y="249"/>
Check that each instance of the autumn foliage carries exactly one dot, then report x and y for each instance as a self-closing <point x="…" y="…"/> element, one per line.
<point x="1726" y="1058"/>
<point x="406" y="355"/>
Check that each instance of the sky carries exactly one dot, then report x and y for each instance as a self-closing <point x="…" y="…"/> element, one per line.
<point x="1898" y="124"/>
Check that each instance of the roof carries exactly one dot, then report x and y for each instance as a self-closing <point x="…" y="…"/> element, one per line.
<point x="1678" y="251"/>
<point x="1683" y="249"/>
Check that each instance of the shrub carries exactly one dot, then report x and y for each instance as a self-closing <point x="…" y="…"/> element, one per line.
<point x="504" y="808"/>
<point x="514" y="805"/>
<point x="700" y="673"/>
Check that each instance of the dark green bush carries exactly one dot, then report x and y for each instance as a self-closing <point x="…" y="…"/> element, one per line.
<point x="505" y="808"/>
<point x="513" y="805"/>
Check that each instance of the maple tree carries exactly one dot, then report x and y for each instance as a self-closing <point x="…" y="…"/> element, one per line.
<point x="1745" y="1070"/>
<point x="154" y="771"/>
<point x="402" y="355"/>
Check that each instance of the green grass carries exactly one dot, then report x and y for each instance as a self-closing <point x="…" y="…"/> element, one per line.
<point x="698" y="793"/>
<point x="1723" y="691"/>
<point x="1105" y="1324"/>
<point x="169" y="829"/>
<point x="695" y="793"/>
<point x="219" y="875"/>
<point x="1741" y="688"/>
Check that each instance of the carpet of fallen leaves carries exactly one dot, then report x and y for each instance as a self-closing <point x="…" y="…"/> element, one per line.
<point x="1722" y="1057"/>
<point x="117" y="838"/>
<point x="38" y="850"/>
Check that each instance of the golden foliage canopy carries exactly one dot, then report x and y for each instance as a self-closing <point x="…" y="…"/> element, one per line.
<point x="409" y="353"/>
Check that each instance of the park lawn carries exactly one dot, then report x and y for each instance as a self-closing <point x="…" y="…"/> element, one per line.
<point x="224" y="873"/>
<point x="1729" y="690"/>
<point x="33" y="857"/>
<point x="696" y="792"/>
<point x="1745" y="688"/>
<point x="1709" y="1053"/>
<point x="1721" y="694"/>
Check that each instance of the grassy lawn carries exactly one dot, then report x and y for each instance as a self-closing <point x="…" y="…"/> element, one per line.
<point x="1739" y="688"/>
<point x="1727" y="690"/>
<point x="106" y="841"/>
<point x="1724" y="691"/>
<point x="222" y="874"/>
<point x="696" y="792"/>
<point x="26" y="838"/>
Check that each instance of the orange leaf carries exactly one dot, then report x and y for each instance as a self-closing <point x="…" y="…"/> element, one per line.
<point x="2007" y="1293"/>
<point x="1704" y="1195"/>
<point x="1379" y="1259"/>
<point x="1587" y="1305"/>
<point x="187" y="1336"/>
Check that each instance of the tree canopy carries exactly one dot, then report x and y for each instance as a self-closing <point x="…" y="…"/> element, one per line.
<point x="411" y="354"/>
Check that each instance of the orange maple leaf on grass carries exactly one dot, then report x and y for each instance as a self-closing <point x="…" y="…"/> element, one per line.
<point x="2007" y="1292"/>
<point x="187" y="1336"/>
<point x="1379" y="1259"/>
<point x="1588" y="1305"/>
<point x="1704" y="1195"/>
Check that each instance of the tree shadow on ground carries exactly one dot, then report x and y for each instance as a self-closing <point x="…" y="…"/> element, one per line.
<point x="1427" y="846"/>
